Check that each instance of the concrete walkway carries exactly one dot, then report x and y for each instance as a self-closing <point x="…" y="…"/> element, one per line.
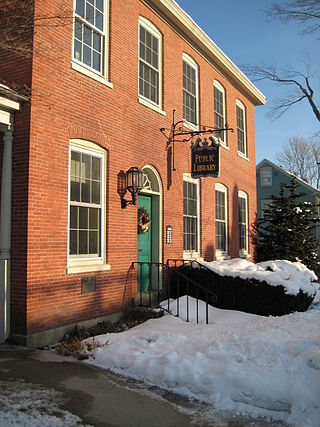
<point x="97" y="397"/>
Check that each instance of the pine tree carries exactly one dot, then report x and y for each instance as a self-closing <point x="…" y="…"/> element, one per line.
<point x="286" y="232"/>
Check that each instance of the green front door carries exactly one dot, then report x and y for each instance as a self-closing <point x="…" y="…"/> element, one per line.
<point x="144" y="246"/>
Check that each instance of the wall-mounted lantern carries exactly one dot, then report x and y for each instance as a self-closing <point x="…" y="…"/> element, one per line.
<point x="134" y="184"/>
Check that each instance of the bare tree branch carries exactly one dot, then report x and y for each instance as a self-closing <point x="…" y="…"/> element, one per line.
<point x="299" y="82"/>
<point x="301" y="157"/>
<point x="306" y="12"/>
<point x="16" y="34"/>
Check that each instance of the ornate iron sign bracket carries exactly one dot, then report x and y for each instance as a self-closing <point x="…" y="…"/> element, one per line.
<point x="177" y="130"/>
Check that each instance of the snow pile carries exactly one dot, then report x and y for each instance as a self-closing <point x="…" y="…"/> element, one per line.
<point x="293" y="276"/>
<point x="242" y="363"/>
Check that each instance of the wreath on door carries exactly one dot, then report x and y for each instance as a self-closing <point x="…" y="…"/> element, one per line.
<point x="144" y="221"/>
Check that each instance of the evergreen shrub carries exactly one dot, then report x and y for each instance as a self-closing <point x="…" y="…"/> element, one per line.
<point x="234" y="293"/>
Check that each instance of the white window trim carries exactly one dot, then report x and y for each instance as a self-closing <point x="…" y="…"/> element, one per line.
<point x="219" y="253"/>
<point x="194" y="254"/>
<point x="155" y="32"/>
<point x="194" y="65"/>
<point x="266" y="168"/>
<point x="77" y="265"/>
<point x="243" y="108"/>
<point x="222" y="89"/>
<point x="245" y="253"/>
<point x="85" y="69"/>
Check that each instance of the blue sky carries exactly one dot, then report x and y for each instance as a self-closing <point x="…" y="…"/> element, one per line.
<point x="241" y="29"/>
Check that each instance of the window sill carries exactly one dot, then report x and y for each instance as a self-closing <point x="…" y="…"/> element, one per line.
<point x="244" y="254"/>
<point x="222" y="255"/>
<point x="77" y="67"/>
<point x="243" y="156"/>
<point x="190" y="126"/>
<point x="153" y="107"/>
<point x="188" y="256"/>
<point x="86" y="267"/>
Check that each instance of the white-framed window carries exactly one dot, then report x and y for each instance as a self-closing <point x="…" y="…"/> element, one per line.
<point x="86" y="225"/>
<point x="241" y="128"/>
<point x="190" y="91"/>
<point x="150" y="57"/>
<point x="266" y="177"/>
<point x="191" y="217"/>
<point x="221" y="213"/>
<point x="243" y="223"/>
<point x="90" y="34"/>
<point x="265" y="208"/>
<point x="219" y="105"/>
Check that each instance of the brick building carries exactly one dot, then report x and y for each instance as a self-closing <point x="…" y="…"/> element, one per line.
<point x="103" y="84"/>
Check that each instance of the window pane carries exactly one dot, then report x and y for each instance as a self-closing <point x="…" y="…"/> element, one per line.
<point x="90" y="14"/>
<point x="95" y="192"/>
<point x="99" y="5"/>
<point x="83" y="218"/>
<point x="97" y="42"/>
<point x="95" y="168"/>
<point x="80" y="7"/>
<point x="93" y="218"/>
<point x="77" y="51"/>
<point x="96" y="61"/>
<point x="73" y="242"/>
<point x="83" y="242"/>
<point x="75" y="190"/>
<point x="73" y="217"/>
<point x="78" y="30"/>
<point x="85" y="166"/>
<point x="85" y="191"/>
<point x="87" y="36"/>
<point x="75" y="163"/>
<point x="87" y="55"/>
<point x="93" y="242"/>
<point x="142" y="34"/>
<point x="99" y="20"/>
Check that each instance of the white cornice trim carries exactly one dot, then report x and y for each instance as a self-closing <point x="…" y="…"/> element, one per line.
<point x="9" y="104"/>
<point x="186" y="24"/>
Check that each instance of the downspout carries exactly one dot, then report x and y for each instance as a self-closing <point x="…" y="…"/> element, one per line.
<point x="5" y="234"/>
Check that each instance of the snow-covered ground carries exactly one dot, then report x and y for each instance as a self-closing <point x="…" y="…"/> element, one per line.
<point x="243" y="363"/>
<point x="24" y="404"/>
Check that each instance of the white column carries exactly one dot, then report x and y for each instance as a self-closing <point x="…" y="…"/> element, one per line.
<point x="5" y="235"/>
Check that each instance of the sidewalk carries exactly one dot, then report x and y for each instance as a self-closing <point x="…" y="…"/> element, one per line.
<point x="42" y="388"/>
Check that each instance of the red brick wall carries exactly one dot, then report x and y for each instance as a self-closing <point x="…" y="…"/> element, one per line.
<point x="16" y="72"/>
<point x="71" y="105"/>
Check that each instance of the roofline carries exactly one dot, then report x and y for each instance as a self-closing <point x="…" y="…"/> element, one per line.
<point x="289" y="174"/>
<point x="189" y="27"/>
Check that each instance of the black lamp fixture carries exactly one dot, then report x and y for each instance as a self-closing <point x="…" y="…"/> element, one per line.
<point x="134" y="184"/>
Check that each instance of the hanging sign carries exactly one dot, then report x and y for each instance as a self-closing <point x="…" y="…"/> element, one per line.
<point x="205" y="158"/>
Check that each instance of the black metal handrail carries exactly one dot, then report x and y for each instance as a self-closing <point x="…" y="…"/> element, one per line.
<point x="163" y="274"/>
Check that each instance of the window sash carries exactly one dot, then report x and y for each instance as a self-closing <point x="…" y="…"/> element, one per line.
<point x="243" y="224"/>
<point x="149" y="65"/>
<point x="190" y="216"/>
<point x="221" y="220"/>
<point x="241" y="130"/>
<point x="189" y="93"/>
<point x="85" y="204"/>
<point x="219" y="112"/>
<point x="89" y="35"/>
